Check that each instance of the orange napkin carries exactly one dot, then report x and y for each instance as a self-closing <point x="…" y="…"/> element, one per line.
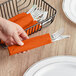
<point x="30" y="44"/>
<point x="25" y="21"/>
<point x="17" y="17"/>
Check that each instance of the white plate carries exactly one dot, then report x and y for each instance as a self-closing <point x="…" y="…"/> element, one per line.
<point x="69" y="8"/>
<point x="57" y="66"/>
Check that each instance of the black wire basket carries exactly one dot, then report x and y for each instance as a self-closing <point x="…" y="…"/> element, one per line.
<point x="11" y="8"/>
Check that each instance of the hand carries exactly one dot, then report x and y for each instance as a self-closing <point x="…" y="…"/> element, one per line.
<point x="11" y="33"/>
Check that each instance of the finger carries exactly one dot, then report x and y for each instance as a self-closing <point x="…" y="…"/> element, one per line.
<point x="23" y="34"/>
<point x="21" y="39"/>
<point x="9" y="43"/>
<point x="17" y="39"/>
<point x="13" y="42"/>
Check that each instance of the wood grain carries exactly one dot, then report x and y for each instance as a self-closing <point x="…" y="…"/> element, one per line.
<point x="16" y="65"/>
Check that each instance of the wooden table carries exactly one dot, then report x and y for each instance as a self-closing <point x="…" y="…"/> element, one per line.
<point x="16" y="65"/>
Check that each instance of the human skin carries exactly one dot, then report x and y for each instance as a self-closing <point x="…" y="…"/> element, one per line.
<point x="11" y="33"/>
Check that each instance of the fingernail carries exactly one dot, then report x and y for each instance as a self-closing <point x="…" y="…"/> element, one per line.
<point x="22" y="44"/>
<point x="27" y="37"/>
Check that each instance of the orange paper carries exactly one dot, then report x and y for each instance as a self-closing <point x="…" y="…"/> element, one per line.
<point x="30" y="44"/>
<point x="17" y="17"/>
<point x="25" y="21"/>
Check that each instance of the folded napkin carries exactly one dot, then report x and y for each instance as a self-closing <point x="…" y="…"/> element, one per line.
<point x="30" y="44"/>
<point x="17" y="17"/>
<point x="25" y="21"/>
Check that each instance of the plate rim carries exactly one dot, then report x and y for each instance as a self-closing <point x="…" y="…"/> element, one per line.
<point x="67" y="15"/>
<point x="73" y="58"/>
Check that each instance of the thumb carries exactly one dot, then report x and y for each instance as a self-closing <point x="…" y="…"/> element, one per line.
<point x="17" y="39"/>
